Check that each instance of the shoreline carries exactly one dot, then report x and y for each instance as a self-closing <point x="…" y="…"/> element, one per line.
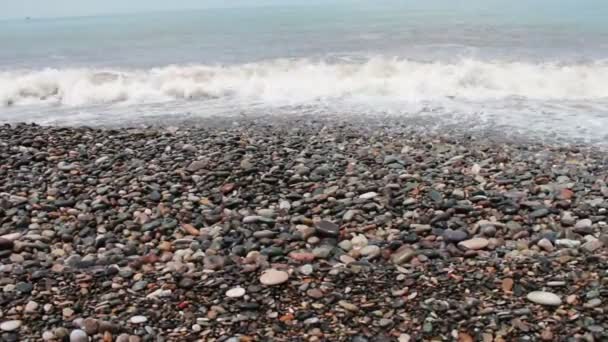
<point x="383" y="231"/>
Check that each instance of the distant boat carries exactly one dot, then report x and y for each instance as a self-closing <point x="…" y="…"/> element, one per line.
<point x="28" y="18"/>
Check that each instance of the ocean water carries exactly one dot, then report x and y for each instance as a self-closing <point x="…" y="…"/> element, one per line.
<point x="535" y="67"/>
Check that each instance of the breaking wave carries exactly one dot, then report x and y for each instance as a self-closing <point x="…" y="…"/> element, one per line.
<point x="302" y="81"/>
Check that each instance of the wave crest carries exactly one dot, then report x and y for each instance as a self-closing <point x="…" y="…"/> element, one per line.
<point x="304" y="81"/>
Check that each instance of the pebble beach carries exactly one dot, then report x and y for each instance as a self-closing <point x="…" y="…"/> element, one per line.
<point x="299" y="229"/>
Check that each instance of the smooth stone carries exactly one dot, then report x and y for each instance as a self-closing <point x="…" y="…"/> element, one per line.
<point x="567" y="243"/>
<point x="404" y="338"/>
<point x="269" y="213"/>
<point x="327" y="228"/>
<point x="235" y="292"/>
<point x="403" y="254"/>
<point x="488" y="230"/>
<point x="90" y="326"/>
<point x="583" y="225"/>
<point x="346" y="245"/>
<point x="196" y="165"/>
<point x="359" y="241"/>
<point x="322" y="252"/>
<point x="346" y="259"/>
<point x="595" y="302"/>
<point x="451" y="235"/>
<point x="348" y="306"/>
<point x="78" y="335"/>
<point x="371" y="250"/>
<point x="10" y="325"/>
<point x="349" y="215"/>
<point x="48" y="335"/>
<point x="567" y="219"/>
<point x="474" y="243"/>
<point x="592" y="245"/>
<point x="368" y="195"/>
<point x="544" y="298"/>
<point x="138" y="319"/>
<point x="306" y="269"/>
<point x="314" y="293"/>
<point x="272" y="277"/>
<point x="545" y="244"/>
<point x="539" y="213"/>
<point x="556" y="283"/>
<point x="31" y="307"/>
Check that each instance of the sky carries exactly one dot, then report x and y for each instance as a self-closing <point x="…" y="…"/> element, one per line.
<point x="69" y="8"/>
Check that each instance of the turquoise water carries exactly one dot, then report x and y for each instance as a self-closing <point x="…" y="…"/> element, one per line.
<point x="539" y="64"/>
<point x="554" y="30"/>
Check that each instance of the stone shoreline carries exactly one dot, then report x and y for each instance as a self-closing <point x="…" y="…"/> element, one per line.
<point x="299" y="229"/>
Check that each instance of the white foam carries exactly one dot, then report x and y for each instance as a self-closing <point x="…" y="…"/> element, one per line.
<point x="302" y="81"/>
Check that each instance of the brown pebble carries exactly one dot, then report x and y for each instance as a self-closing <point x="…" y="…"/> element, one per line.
<point x="547" y="335"/>
<point x="464" y="337"/>
<point x="314" y="293"/>
<point x="165" y="246"/>
<point x="190" y="229"/>
<point x="507" y="285"/>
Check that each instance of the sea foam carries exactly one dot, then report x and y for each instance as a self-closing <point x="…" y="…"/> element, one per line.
<point x="304" y="81"/>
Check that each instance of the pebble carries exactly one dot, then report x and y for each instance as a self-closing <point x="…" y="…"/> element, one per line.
<point x="584" y="226"/>
<point x="404" y="338"/>
<point x="322" y="252"/>
<point x="327" y="228"/>
<point x="368" y="195"/>
<point x="544" y="298"/>
<point x="48" y="335"/>
<point x="10" y="325"/>
<point x="370" y="251"/>
<point x="31" y="307"/>
<point x="346" y="245"/>
<point x="567" y="243"/>
<point x="507" y="284"/>
<point x="474" y="243"/>
<point x="539" y="213"/>
<point x="235" y="292"/>
<point x="90" y="326"/>
<point x="592" y="245"/>
<point x="138" y="319"/>
<point x="348" y="306"/>
<point x="455" y="235"/>
<point x="272" y="277"/>
<point x="402" y="255"/>
<point x="147" y="222"/>
<point x="306" y="269"/>
<point x="78" y="335"/>
<point x="545" y="244"/>
<point x="358" y="241"/>
<point x="567" y="219"/>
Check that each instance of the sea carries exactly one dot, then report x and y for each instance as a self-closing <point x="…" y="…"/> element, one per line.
<point x="535" y="68"/>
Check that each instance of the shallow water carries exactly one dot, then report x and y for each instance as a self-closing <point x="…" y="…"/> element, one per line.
<point x="537" y="67"/>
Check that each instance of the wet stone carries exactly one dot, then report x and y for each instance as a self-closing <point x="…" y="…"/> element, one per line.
<point x="327" y="228"/>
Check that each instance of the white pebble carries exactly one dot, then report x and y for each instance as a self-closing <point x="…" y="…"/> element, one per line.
<point x="235" y="292"/>
<point x="78" y="335"/>
<point x="10" y="325"/>
<point x="544" y="298"/>
<point x="368" y="195"/>
<point x="273" y="277"/>
<point x="138" y="319"/>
